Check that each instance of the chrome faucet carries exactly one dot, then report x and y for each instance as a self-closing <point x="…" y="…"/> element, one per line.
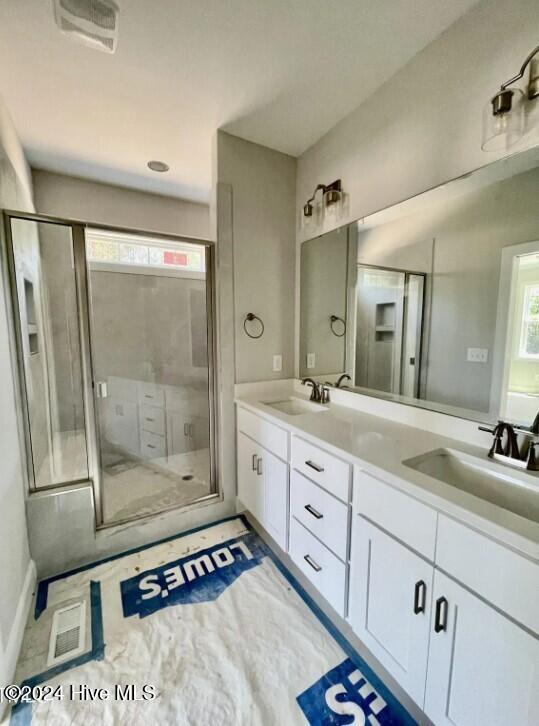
<point x="315" y="393"/>
<point x="509" y="451"/>
<point x="319" y="393"/>
<point x="342" y="378"/>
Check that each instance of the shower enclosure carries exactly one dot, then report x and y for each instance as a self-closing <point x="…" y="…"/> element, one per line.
<point x="115" y="342"/>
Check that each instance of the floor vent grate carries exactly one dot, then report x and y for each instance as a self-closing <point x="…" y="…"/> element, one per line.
<point x="68" y="633"/>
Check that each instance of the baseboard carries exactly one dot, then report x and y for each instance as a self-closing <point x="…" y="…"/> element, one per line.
<point x="14" y="642"/>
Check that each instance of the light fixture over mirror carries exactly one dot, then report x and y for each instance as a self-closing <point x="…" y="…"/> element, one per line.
<point x="324" y="208"/>
<point x="510" y="114"/>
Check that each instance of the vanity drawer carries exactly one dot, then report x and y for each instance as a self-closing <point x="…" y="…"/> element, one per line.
<point x="152" y="418"/>
<point x="322" y="514"/>
<point x="151" y="393"/>
<point x="411" y="521"/>
<point x="271" y="437"/>
<point x="503" y="577"/>
<point x="152" y="445"/>
<point x="323" y="468"/>
<point x="319" y="565"/>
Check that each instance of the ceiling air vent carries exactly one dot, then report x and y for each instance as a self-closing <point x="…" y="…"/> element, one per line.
<point x="67" y="634"/>
<point x="92" y="22"/>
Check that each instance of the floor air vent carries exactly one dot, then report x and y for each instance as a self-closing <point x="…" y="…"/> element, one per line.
<point x="68" y="633"/>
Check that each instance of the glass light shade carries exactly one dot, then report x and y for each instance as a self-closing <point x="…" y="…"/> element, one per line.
<point x="531" y="121"/>
<point x="312" y="221"/>
<point x="332" y="206"/>
<point x="503" y="130"/>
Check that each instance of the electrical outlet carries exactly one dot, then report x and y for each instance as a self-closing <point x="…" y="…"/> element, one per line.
<point x="477" y="355"/>
<point x="311" y="360"/>
<point x="277" y="362"/>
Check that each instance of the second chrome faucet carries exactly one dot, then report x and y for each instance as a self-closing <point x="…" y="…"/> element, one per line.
<point x="319" y="393"/>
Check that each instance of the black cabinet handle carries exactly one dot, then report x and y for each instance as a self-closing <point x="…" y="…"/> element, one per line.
<point x="312" y="510"/>
<point x="420" y="592"/>
<point x="259" y="466"/>
<point x="314" y="466"/>
<point x="309" y="560"/>
<point x="255" y="459"/>
<point x="440" y="615"/>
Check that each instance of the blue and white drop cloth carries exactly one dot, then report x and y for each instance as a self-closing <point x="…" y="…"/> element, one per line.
<point x="217" y="626"/>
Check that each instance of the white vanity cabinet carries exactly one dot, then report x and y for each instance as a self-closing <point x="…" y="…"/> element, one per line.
<point x="483" y="668"/>
<point x="451" y="612"/>
<point x="390" y="603"/>
<point x="263" y="475"/>
<point x="459" y="657"/>
<point x="320" y="519"/>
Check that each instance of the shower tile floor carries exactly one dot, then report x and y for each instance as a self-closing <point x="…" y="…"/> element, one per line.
<point x="133" y="488"/>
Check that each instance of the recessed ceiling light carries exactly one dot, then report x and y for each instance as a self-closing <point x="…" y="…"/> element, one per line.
<point x="158" y="166"/>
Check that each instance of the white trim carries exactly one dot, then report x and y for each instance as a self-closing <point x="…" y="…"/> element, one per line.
<point x="10" y="655"/>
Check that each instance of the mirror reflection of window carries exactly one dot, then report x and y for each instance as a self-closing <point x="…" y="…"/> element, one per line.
<point x="522" y="397"/>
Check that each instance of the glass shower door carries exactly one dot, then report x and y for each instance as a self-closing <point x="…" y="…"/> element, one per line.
<point x="149" y="308"/>
<point x="45" y="295"/>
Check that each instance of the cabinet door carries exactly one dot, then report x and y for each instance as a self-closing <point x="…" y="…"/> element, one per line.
<point x="179" y="440"/>
<point x="275" y="520"/>
<point x="483" y="669"/>
<point x="250" y="476"/>
<point x="390" y="595"/>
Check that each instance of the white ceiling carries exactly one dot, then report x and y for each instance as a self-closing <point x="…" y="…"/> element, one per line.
<point x="277" y="72"/>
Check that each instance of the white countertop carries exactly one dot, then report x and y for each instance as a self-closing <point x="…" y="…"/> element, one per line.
<point x="379" y="446"/>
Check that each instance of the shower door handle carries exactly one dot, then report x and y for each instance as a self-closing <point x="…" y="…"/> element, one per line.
<point x="101" y="389"/>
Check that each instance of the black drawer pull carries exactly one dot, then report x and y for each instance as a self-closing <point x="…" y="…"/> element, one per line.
<point x="312" y="510"/>
<point x="440" y="615"/>
<point x="420" y="592"/>
<point x="254" y="461"/>
<point x="151" y="420"/>
<point x="309" y="560"/>
<point x="314" y="466"/>
<point x="150" y="446"/>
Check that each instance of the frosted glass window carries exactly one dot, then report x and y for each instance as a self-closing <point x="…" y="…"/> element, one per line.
<point x="120" y="249"/>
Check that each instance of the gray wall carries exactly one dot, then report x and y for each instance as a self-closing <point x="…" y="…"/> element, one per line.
<point x="423" y="126"/>
<point x="469" y="232"/>
<point x="324" y="266"/>
<point x="263" y="213"/>
<point x="66" y="196"/>
<point x="15" y="192"/>
<point x="143" y="327"/>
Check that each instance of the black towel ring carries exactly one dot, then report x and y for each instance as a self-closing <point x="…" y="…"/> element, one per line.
<point x="333" y="319"/>
<point x="249" y="317"/>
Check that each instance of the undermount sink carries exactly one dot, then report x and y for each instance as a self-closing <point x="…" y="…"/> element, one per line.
<point x="295" y="406"/>
<point x="515" y="491"/>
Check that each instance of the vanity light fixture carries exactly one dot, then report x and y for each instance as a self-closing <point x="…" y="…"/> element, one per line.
<point x="330" y="205"/>
<point x="510" y="114"/>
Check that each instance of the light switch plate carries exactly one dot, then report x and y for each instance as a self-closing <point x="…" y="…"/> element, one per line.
<point x="477" y="355"/>
<point x="277" y="362"/>
<point x="311" y="360"/>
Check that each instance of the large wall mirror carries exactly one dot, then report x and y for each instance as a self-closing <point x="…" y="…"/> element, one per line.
<point x="433" y="302"/>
